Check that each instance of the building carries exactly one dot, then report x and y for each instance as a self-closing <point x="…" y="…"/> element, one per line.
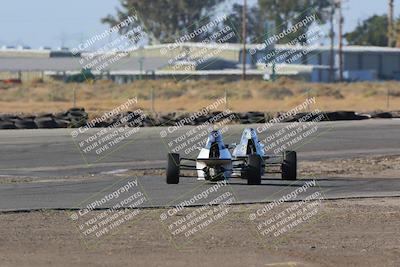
<point x="204" y="61"/>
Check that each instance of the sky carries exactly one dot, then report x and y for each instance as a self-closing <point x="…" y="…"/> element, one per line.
<point x="56" y="23"/>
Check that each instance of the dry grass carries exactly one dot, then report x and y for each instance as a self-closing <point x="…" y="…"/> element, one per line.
<point x="193" y="95"/>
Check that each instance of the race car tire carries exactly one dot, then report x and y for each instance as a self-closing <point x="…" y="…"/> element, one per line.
<point x="289" y="165"/>
<point x="253" y="171"/>
<point x="173" y="168"/>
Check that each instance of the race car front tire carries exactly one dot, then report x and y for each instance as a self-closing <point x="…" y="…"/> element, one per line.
<point x="173" y="168"/>
<point x="289" y="165"/>
<point x="253" y="171"/>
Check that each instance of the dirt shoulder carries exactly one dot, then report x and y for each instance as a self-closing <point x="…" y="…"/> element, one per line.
<point x="362" y="232"/>
<point x="363" y="167"/>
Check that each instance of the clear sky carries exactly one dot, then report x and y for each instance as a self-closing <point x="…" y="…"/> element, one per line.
<point x="54" y="22"/>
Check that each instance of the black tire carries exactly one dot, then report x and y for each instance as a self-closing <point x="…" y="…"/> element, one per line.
<point x="253" y="170"/>
<point x="44" y="115"/>
<point x="7" y="125"/>
<point x="289" y="165"/>
<point x="173" y="168"/>
<point x="77" y="122"/>
<point x="61" y="115"/>
<point x="25" y="124"/>
<point x="46" y="123"/>
<point x="77" y="114"/>
<point x="9" y="117"/>
<point x="76" y="109"/>
<point x="62" y="123"/>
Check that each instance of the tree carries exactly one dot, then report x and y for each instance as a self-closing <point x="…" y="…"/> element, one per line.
<point x="372" y="31"/>
<point x="286" y="13"/>
<point x="255" y="27"/>
<point x="165" y="20"/>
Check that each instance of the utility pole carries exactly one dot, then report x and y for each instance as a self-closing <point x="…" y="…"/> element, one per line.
<point x="226" y="98"/>
<point x="141" y="59"/>
<point x="270" y="30"/>
<point x="332" y="39"/>
<point x="74" y="98"/>
<point x="341" y="21"/>
<point x="152" y="99"/>
<point x="390" y="24"/>
<point x="244" y="33"/>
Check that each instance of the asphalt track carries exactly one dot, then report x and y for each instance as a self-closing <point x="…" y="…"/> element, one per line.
<point x="45" y="154"/>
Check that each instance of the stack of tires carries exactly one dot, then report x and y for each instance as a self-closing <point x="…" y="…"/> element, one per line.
<point x="46" y="121"/>
<point x="381" y="115"/>
<point x="344" y="116"/>
<point x="77" y="117"/>
<point x="166" y="119"/>
<point x="74" y="117"/>
<point x="17" y="122"/>
<point x="6" y="122"/>
<point x="251" y="117"/>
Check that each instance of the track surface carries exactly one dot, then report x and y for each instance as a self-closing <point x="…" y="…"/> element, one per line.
<point x="54" y="154"/>
<point x="67" y="195"/>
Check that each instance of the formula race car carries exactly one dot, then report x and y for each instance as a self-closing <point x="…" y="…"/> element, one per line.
<point x="248" y="161"/>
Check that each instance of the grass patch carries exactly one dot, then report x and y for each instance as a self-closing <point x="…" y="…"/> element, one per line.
<point x="328" y="92"/>
<point x="190" y="95"/>
<point x="276" y="93"/>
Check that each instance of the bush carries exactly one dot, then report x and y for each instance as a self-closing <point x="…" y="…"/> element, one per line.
<point x="394" y="93"/>
<point x="369" y="92"/>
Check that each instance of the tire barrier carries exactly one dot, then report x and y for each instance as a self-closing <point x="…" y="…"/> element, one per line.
<point x="381" y="115"/>
<point x="78" y="117"/>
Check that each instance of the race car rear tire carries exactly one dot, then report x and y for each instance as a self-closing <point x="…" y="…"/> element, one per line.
<point x="289" y="165"/>
<point x="253" y="171"/>
<point x="173" y="168"/>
